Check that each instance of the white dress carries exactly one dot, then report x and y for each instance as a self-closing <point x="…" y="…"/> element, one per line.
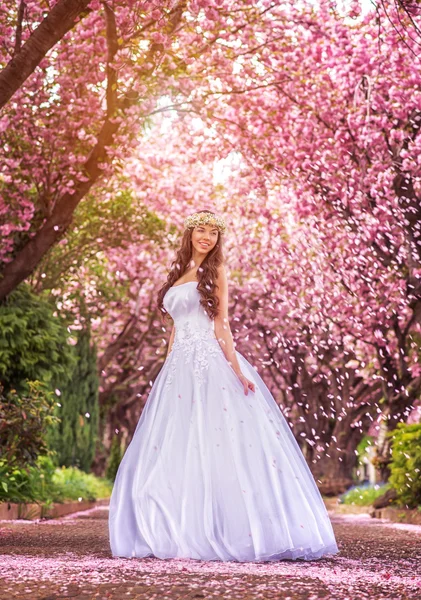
<point x="212" y="473"/>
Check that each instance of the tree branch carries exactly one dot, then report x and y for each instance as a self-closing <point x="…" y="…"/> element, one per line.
<point x="18" y="38"/>
<point x="56" y="24"/>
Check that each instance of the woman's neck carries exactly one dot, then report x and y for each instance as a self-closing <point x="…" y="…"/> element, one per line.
<point x="197" y="260"/>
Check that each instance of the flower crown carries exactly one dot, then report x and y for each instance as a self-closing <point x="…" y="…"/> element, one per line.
<point x="197" y="219"/>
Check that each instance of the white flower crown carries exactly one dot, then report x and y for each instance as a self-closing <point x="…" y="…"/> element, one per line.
<point x="205" y="219"/>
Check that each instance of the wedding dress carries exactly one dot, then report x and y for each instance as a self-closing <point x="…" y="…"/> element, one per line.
<point x="212" y="473"/>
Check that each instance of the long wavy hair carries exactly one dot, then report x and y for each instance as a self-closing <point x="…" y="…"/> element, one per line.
<point x="206" y="273"/>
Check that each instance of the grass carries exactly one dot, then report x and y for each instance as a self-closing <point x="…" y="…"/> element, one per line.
<point x="363" y="495"/>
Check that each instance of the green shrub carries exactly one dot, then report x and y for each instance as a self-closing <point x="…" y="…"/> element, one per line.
<point x="69" y="483"/>
<point x="45" y="483"/>
<point x="363" y="495"/>
<point x="33" y="341"/>
<point x="365" y="443"/>
<point x="26" y="464"/>
<point x="27" y="484"/>
<point x="34" y="345"/>
<point x="24" y="419"/>
<point x="405" y="466"/>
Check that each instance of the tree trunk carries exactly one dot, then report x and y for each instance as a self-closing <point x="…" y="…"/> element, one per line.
<point x="56" y="24"/>
<point x="332" y="475"/>
<point x="335" y="467"/>
<point x="28" y="258"/>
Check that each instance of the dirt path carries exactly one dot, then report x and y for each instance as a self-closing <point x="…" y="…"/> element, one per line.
<point x="70" y="558"/>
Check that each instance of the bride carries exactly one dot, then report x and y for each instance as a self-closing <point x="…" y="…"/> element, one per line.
<point x="213" y="471"/>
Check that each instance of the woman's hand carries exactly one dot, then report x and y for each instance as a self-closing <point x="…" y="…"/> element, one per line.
<point x="247" y="384"/>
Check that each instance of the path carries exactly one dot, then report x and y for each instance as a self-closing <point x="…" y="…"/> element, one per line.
<point x="70" y="558"/>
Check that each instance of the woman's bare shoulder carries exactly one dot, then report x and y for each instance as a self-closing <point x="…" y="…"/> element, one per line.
<point x="222" y="274"/>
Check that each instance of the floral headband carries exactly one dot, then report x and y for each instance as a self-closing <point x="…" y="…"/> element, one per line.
<point x="205" y="219"/>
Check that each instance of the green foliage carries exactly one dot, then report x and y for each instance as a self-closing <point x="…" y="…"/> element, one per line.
<point x="26" y="484"/>
<point x="97" y="227"/>
<point x="34" y="345"/>
<point x="33" y="341"/>
<point x="363" y="495"/>
<point x="44" y="483"/>
<point x="114" y="458"/>
<point x="365" y="443"/>
<point x="71" y="484"/>
<point x="75" y="438"/>
<point x="24" y="419"/>
<point x="405" y="466"/>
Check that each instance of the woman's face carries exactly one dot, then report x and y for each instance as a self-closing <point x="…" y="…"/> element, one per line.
<point x="204" y="238"/>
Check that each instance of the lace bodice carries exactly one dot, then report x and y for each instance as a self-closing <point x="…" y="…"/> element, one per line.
<point x="194" y="339"/>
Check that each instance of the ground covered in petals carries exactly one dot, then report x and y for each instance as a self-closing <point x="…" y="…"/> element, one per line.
<point x="70" y="558"/>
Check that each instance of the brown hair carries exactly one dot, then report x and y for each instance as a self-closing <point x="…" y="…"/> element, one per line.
<point x="207" y="272"/>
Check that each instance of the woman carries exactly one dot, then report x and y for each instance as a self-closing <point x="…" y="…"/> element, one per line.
<point x="213" y="471"/>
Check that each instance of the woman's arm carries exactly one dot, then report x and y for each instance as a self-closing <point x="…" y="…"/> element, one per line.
<point x="171" y="341"/>
<point x="223" y="331"/>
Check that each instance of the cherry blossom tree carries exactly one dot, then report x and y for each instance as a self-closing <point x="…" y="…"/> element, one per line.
<point x="344" y="136"/>
<point x="312" y="118"/>
<point x="78" y="115"/>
